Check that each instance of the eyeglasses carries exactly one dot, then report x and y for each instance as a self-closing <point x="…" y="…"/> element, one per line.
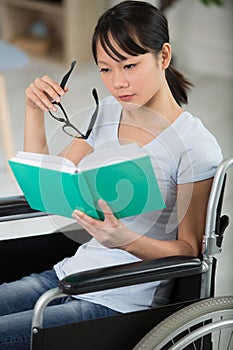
<point x="62" y="116"/>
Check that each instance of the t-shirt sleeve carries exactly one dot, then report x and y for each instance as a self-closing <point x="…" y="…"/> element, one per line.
<point x="90" y="140"/>
<point x="200" y="160"/>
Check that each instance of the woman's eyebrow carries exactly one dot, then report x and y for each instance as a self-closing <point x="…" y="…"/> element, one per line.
<point x="102" y="62"/>
<point x="108" y="63"/>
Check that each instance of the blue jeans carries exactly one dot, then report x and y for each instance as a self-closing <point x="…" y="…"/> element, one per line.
<point x="17" y="300"/>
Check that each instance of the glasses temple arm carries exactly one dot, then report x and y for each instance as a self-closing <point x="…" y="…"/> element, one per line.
<point x="66" y="77"/>
<point x="94" y="116"/>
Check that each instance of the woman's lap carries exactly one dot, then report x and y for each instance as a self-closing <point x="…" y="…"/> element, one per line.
<point x="22" y="295"/>
<point x="17" y="301"/>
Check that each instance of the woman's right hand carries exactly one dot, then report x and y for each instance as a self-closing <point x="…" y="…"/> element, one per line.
<point x="41" y="92"/>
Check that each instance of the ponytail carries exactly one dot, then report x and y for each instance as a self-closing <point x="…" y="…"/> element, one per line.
<point x="178" y="85"/>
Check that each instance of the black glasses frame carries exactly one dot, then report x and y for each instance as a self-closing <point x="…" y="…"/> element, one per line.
<point x="66" y="120"/>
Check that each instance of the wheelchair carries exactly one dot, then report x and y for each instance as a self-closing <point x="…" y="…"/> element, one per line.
<point x="184" y="323"/>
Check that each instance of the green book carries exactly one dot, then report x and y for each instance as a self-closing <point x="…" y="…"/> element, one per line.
<point x="122" y="176"/>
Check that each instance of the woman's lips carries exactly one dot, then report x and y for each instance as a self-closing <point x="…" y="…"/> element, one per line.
<point x="126" y="98"/>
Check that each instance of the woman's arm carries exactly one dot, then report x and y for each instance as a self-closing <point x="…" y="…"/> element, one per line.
<point x="34" y="131"/>
<point x="78" y="149"/>
<point x="192" y="200"/>
<point x="38" y="98"/>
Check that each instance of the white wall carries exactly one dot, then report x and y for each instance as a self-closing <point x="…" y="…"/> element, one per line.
<point x="202" y="36"/>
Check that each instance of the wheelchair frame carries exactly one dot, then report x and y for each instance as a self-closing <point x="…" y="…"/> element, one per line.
<point x="183" y="269"/>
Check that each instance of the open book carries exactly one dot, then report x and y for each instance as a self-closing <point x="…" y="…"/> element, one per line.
<point x="122" y="176"/>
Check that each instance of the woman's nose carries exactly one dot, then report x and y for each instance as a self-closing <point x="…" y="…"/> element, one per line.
<point x="120" y="81"/>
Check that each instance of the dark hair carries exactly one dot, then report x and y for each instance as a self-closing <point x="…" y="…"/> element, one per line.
<point x="138" y="28"/>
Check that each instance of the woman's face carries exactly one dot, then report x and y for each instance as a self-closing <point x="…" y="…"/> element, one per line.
<point x="137" y="80"/>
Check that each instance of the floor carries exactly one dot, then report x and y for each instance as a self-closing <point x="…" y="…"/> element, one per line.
<point x="211" y="100"/>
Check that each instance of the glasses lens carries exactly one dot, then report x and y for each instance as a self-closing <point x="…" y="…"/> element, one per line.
<point x="72" y="131"/>
<point x="59" y="114"/>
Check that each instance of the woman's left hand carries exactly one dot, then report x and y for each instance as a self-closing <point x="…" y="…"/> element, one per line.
<point x="111" y="232"/>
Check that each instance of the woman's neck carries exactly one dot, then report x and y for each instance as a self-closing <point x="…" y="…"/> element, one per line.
<point x="146" y="122"/>
<point x="164" y="104"/>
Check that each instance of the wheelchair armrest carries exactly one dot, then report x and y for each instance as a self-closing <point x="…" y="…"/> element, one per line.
<point x="130" y="274"/>
<point x="16" y="208"/>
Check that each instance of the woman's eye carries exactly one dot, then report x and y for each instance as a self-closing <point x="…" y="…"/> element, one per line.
<point x="130" y="66"/>
<point x="104" y="70"/>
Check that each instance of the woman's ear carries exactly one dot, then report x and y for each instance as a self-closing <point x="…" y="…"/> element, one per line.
<point x="166" y="55"/>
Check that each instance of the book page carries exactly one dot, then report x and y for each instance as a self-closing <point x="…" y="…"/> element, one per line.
<point x="96" y="159"/>
<point x="45" y="161"/>
<point x="112" y="155"/>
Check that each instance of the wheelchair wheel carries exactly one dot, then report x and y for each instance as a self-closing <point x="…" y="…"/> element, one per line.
<point x="207" y="324"/>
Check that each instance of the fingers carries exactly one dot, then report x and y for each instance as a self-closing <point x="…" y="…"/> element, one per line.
<point x="111" y="232"/>
<point x="84" y="219"/>
<point x="110" y="220"/>
<point x="108" y="214"/>
<point x="42" y="92"/>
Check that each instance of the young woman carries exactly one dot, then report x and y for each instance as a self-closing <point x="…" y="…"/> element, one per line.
<point x="132" y="51"/>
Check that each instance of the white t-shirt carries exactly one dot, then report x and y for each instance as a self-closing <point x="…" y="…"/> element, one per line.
<point x="184" y="152"/>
